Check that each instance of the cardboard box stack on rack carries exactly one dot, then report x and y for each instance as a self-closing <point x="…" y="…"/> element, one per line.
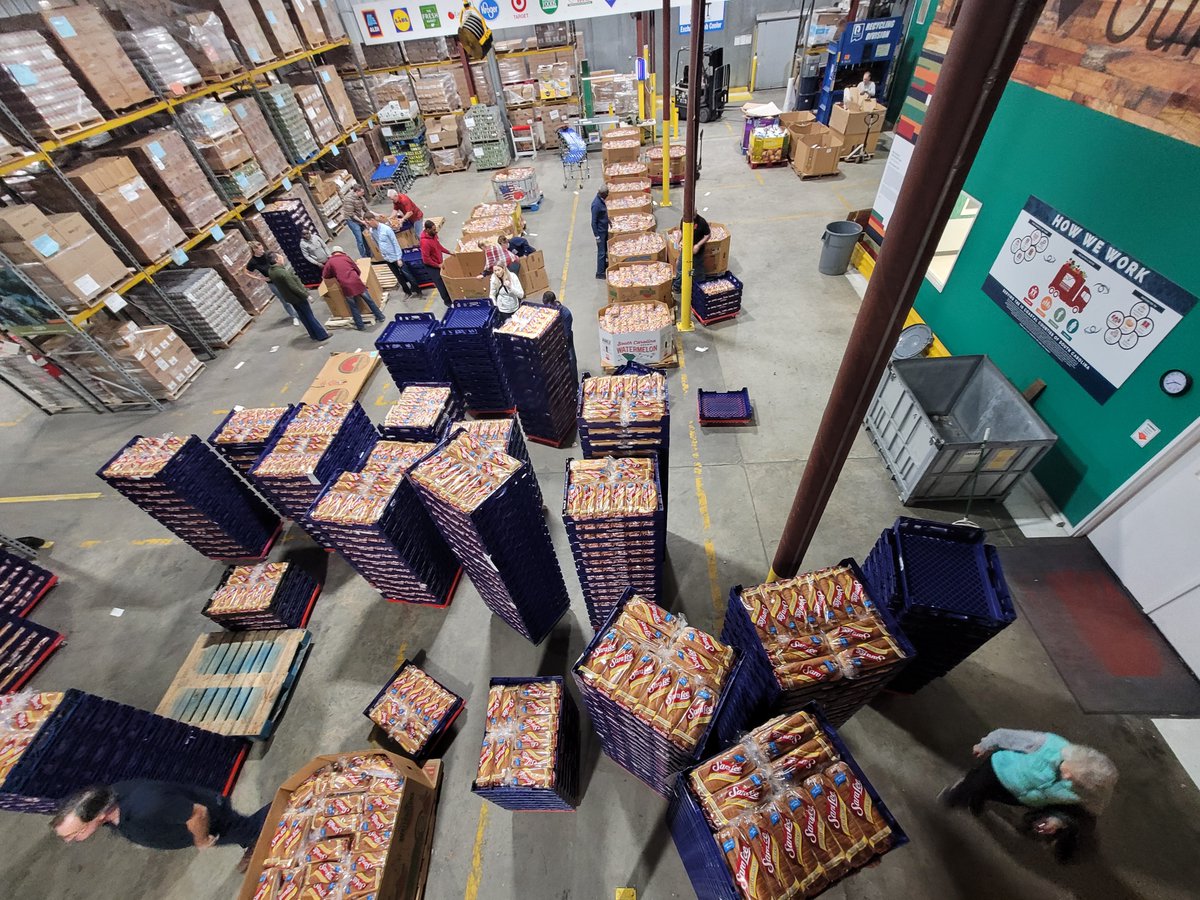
<point x="228" y="257"/>
<point x="291" y="123"/>
<point x="253" y="125"/>
<point x="160" y="60"/>
<point x="448" y="145"/>
<point x="320" y="118"/>
<point x="39" y="90"/>
<point x="164" y="161"/>
<point x="202" y="36"/>
<point x="154" y="354"/>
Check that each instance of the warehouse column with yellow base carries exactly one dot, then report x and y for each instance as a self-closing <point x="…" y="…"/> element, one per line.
<point x="666" y="90"/>
<point x="689" y="179"/>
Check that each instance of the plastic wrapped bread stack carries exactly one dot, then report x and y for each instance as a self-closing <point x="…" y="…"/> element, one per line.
<point x="503" y="434"/>
<point x="318" y="445"/>
<point x="817" y="638"/>
<point x="263" y="597"/>
<point x="784" y="813"/>
<point x="436" y="94"/>
<point x="374" y="519"/>
<point x="161" y="60"/>
<point x="414" y="710"/>
<point x="617" y="528"/>
<point x="529" y="758"/>
<point x="201" y="304"/>
<point x="38" y="89"/>
<point x="654" y="688"/>
<point x="537" y="367"/>
<point x="488" y="506"/>
<point x="626" y="414"/>
<point x="290" y="121"/>
<point x="186" y="486"/>
<point x="244" y="434"/>
<point x="422" y="412"/>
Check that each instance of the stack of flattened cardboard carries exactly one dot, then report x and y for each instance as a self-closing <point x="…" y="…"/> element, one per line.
<point x="163" y="160"/>
<point x="61" y="254"/>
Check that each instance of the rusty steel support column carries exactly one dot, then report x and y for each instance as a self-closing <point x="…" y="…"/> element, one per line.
<point x="985" y="46"/>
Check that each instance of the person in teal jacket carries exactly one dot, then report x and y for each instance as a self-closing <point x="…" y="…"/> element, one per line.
<point x="1041" y="771"/>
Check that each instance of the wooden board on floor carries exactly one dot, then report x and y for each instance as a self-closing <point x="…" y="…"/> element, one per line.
<point x="233" y="682"/>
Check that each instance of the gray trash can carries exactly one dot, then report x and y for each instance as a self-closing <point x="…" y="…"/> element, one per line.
<point x="837" y="243"/>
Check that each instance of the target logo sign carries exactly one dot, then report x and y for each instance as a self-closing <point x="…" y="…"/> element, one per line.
<point x="519" y="5"/>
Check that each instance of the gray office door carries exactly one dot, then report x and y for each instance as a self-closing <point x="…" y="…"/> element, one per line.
<point x="775" y="44"/>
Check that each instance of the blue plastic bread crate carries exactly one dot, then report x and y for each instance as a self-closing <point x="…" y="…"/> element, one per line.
<point x="290" y="607"/>
<point x="436" y="734"/>
<point x="466" y="331"/>
<point x="839" y="699"/>
<point x="697" y="845"/>
<point x="451" y="412"/>
<point x="724" y="407"/>
<point x="636" y="746"/>
<point x="599" y="439"/>
<point x="564" y="796"/>
<point x="242" y="454"/>
<point x="411" y="350"/>
<point x="24" y="583"/>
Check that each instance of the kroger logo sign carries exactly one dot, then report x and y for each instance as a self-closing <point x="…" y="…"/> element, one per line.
<point x="489" y="9"/>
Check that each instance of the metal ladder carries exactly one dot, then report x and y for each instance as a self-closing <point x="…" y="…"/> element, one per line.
<point x="524" y="142"/>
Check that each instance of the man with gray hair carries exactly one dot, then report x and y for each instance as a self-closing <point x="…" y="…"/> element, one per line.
<point x="160" y="815"/>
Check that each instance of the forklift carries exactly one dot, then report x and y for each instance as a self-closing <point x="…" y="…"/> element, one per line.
<point x="714" y="84"/>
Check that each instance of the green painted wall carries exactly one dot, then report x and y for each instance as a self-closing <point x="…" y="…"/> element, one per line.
<point x="910" y="52"/>
<point x="1137" y="189"/>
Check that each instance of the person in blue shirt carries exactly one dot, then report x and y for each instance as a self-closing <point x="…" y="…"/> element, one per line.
<point x="600" y="230"/>
<point x="393" y="255"/>
<point x="1064" y="785"/>
<point x="517" y="246"/>
<point x="551" y="299"/>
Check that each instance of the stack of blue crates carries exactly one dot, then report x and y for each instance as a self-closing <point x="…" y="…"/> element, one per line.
<point x="840" y="698"/>
<point x="411" y="349"/>
<point x="290" y="606"/>
<point x="470" y="347"/>
<point x="89" y="740"/>
<point x="716" y="303"/>
<point x="450" y="412"/>
<point x="539" y="374"/>
<point x="504" y="545"/>
<point x="702" y="856"/>
<point x="401" y="554"/>
<point x="201" y="499"/>
<point x="947" y="590"/>
<point x="563" y="795"/>
<point x="412" y="258"/>
<point x="616" y="552"/>
<point x="289" y="221"/>
<point x="603" y="433"/>
<point x="231" y="440"/>
<point x="294" y="495"/>
<point x="635" y="745"/>
<point x="22" y="583"/>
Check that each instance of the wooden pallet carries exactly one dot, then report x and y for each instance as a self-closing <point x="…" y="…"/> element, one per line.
<point x="59" y="133"/>
<point x="178" y="392"/>
<point x="236" y="683"/>
<point x="224" y="345"/>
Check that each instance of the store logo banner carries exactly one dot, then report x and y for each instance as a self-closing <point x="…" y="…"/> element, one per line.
<point x="519" y="5"/>
<point x="489" y="9"/>
<point x="549" y="7"/>
<point x="430" y="17"/>
<point x="401" y="20"/>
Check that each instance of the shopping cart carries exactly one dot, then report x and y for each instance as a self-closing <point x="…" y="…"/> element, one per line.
<point x="573" y="152"/>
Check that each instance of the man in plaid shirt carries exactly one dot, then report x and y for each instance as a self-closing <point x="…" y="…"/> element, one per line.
<point x="495" y="255"/>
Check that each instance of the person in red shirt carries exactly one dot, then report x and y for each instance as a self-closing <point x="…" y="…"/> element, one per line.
<point x="344" y="269"/>
<point x="405" y="213"/>
<point x="432" y="253"/>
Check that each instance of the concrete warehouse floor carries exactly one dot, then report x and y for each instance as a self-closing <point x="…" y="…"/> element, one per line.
<point x="730" y="492"/>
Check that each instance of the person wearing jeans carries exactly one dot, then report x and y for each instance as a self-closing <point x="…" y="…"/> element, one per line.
<point x="432" y="254"/>
<point x="389" y="249"/>
<point x="600" y="230"/>
<point x="357" y="212"/>
<point x="260" y="267"/>
<point x="284" y="278"/>
<point x="344" y="270"/>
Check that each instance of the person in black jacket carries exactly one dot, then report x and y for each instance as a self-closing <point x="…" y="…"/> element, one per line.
<point x="600" y="230"/>
<point x="289" y="285"/>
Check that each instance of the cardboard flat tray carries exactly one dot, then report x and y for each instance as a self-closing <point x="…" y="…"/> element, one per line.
<point x="235" y="683"/>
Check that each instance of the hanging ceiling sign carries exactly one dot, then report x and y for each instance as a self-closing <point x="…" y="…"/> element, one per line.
<point x="387" y="23"/>
<point x="714" y="17"/>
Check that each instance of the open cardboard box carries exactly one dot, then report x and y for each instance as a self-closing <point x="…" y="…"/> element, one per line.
<point x="408" y="854"/>
<point x="463" y="281"/>
<point x="342" y="378"/>
<point x="714" y="258"/>
<point x="331" y="292"/>
<point x="817" y="152"/>
<point x="649" y="347"/>
<point x="660" y="292"/>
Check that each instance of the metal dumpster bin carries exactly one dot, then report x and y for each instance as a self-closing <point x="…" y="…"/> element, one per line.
<point x="929" y="418"/>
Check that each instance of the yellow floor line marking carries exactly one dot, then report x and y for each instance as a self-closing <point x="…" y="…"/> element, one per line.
<point x="46" y="498"/>
<point x="758" y="177"/>
<point x="625" y="894"/>
<point x="153" y="542"/>
<point x="679" y="353"/>
<point x="88" y="544"/>
<point x="220" y="412"/>
<point x="562" y="287"/>
<point x="400" y="657"/>
<point x="284" y="389"/>
<point x="845" y="202"/>
<point x="476" y="875"/>
<point x="698" y="471"/>
<point x="683" y="381"/>
<point x="429" y="302"/>
<point x="380" y="401"/>
<point x="714" y="585"/>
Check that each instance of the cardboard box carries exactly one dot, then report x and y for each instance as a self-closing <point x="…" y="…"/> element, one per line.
<point x="164" y="161"/>
<point x="273" y="22"/>
<point x="331" y="21"/>
<point x="799" y="117"/>
<point x="648" y="347"/>
<point x="640" y="172"/>
<point x="308" y="23"/>
<point x="817" y="151"/>
<point x="862" y="121"/>
<point x="154" y="355"/>
<point x="714" y="258"/>
<point x="465" y="282"/>
<point x="407" y="855"/>
<point x="610" y="153"/>
<point x="617" y="257"/>
<point x="22" y="223"/>
<point x="259" y="137"/>
<point x="848" y="142"/>
<point x="343" y="109"/>
<point x="625" y="188"/>
<point x="340" y="380"/>
<point x="331" y="292"/>
<point x="532" y="273"/>
<point x="228" y="257"/>
<point x="90" y="49"/>
<point x="242" y="26"/>
<point x="67" y="259"/>
<point x="635" y="202"/>
<point x="620" y="133"/>
<point x="659" y="292"/>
